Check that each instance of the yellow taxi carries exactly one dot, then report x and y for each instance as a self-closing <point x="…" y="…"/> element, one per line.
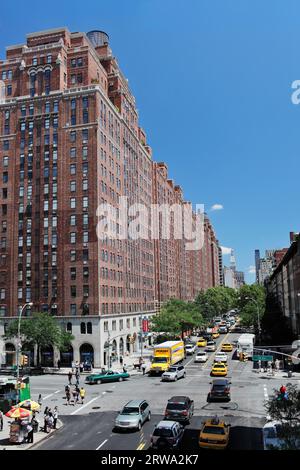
<point x="214" y="434"/>
<point x="227" y="347"/>
<point x="215" y="335"/>
<point x="219" y="369"/>
<point x="201" y="342"/>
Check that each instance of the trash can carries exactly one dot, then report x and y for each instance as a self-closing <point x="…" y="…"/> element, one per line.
<point x="290" y="374"/>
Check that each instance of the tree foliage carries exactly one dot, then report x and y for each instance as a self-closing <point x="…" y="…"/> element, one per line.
<point x="41" y="330"/>
<point x="177" y="316"/>
<point x="287" y="413"/>
<point x="251" y="304"/>
<point x="216" y="301"/>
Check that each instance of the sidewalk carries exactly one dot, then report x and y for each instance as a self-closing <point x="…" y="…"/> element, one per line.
<point x="37" y="436"/>
<point x="281" y="374"/>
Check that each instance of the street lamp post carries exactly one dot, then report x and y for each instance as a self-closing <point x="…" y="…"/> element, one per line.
<point x="258" y="319"/>
<point x="28" y="304"/>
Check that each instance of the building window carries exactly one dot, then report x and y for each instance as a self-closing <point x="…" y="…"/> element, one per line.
<point x="72" y="255"/>
<point x="9" y="90"/>
<point x="82" y="328"/>
<point x="73" y="309"/>
<point x="2" y="294"/>
<point x="73" y="136"/>
<point x="73" y="274"/>
<point x="73" y="203"/>
<point x="89" y="328"/>
<point x="73" y="152"/>
<point x="85" y="237"/>
<point x="34" y="61"/>
<point x="49" y="59"/>
<point x="73" y="237"/>
<point x="73" y="291"/>
<point x="85" y="185"/>
<point x="73" y="220"/>
<point x="85" y="202"/>
<point x="72" y="186"/>
<point x="73" y="169"/>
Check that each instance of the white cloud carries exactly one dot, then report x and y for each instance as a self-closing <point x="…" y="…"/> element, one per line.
<point x="225" y="250"/>
<point x="251" y="270"/>
<point x="217" y="207"/>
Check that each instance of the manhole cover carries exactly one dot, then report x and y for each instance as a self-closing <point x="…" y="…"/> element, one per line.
<point x="96" y="407"/>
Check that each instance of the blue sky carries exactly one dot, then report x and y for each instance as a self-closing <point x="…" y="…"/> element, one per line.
<point x="212" y="80"/>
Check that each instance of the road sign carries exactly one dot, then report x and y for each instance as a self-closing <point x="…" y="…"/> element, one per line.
<point x="262" y="358"/>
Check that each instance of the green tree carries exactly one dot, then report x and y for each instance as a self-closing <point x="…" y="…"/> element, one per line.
<point x="216" y="301"/>
<point x="41" y="330"/>
<point x="177" y="316"/>
<point x="278" y="330"/>
<point x="251" y="302"/>
<point x="287" y="413"/>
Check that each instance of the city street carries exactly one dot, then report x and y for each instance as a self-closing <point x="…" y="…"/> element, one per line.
<point x="90" y="426"/>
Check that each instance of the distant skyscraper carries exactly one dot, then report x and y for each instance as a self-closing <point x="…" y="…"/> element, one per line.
<point x="232" y="261"/>
<point x="257" y="265"/>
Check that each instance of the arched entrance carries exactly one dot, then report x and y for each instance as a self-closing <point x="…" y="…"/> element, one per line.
<point x="10" y="355"/>
<point x="121" y="347"/>
<point x="47" y="357"/>
<point x="66" y="357"/>
<point x="86" y="352"/>
<point x="114" y="351"/>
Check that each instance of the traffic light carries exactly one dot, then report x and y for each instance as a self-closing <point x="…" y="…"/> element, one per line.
<point x="24" y="360"/>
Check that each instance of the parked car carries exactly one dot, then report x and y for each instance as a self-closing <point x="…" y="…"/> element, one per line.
<point x="201" y="357"/>
<point x="174" y="373"/>
<point x="211" y="346"/>
<point x="167" y="434"/>
<point x="180" y="408"/>
<point x="106" y="376"/>
<point x="220" y="390"/>
<point x="221" y="357"/>
<point x="214" y="434"/>
<point x="133" y="415"/>
<point x="219" y="369"/>
<point x="190" y="348"/>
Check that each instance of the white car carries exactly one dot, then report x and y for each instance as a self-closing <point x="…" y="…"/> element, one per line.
<point x="221" y="357"/>
<point x="211" y="346"/>
<point x="190" y="348"/>
<point x="272" y="438"/>
<point x="174" y="373"/>
<point x="201" y="357"/>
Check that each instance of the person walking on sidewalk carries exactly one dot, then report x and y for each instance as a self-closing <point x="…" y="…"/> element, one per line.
<point x="121" y="360"/>
<point x="55" y="417"/>
<point x="68" y="396"/>
<point x="70" y="375"/>
<point x="144" y="368"/>
<point x="40" y="399"/>
<point x="82" y="394"/>
<point x="30" y="433"/>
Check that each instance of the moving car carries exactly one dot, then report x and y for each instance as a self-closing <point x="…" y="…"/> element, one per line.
<point x="201" y="357"/>
<point x="214" y="434"/>
<point x="179" y="408"/>
<point x="106" y="376"/>
<point x="211" y="346"/>
<point x="173" y="374"/>
<point x="220" y="390"/>
<point x="167" y="434"/>
<point x="273" y="438"/>
<point x="190" y="348"/>
<point x="227" y="347"/>
<point x="219" y="369"/>
<point x="221" y="357"/>
<point x="133" y="415"/>
<point x="201" y="343"/>
<point x="215" y="335"/>
<point x="223" y="329"/>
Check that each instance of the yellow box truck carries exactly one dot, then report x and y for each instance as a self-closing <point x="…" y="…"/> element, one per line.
<point x="165" y="355"/>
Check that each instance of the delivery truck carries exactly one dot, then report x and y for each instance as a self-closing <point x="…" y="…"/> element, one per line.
<point x="166" y="355"/>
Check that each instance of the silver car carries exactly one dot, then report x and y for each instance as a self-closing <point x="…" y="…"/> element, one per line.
<point x="133" y="415"/>
<point x="167" y="434"/>
<point x="174" y="373"/>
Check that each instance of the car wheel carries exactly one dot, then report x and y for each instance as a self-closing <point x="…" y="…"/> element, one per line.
<point x="149" y="416"/>
<point x="139" y="426"/>
<point x="184" y="375"/>
<point x="175" y="378"/>
<point x="99" y="381"/>
<point x="120" y="379"/>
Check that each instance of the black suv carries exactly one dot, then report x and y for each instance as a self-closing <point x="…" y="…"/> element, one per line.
<point x="180" y="409"/>
<point x="220" y="390"/>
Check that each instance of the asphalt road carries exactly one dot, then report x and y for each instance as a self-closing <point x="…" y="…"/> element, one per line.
<point x="90" y="426"/>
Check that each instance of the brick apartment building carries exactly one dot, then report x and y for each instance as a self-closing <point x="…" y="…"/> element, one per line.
<point x="69" y="141"/>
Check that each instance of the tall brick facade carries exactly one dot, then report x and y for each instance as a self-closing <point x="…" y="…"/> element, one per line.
<point x="69" y="141"/>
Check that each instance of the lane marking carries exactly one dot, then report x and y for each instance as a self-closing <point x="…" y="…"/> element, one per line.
<point x="141" y="446"/>
<point x="83" y="406"/>
<point x="266" y="392"/>
<point x="102" y="444"/>
<point x="48" y="396"/>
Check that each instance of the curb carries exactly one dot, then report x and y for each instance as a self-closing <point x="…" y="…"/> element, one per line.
<point x="47" y="436"/>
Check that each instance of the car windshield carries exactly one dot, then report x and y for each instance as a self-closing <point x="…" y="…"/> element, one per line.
<point x="219" y="387"/>
<point x="162" y="432"/>
<point x="176" y="406"/>
<point x="128" y="410"/>
<point x="219" y="366"/>
<point x="213" y="430"/>
<point x="201" y="354"/>
<point x="172" y="369"/>
<point x="160" y="359"/>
